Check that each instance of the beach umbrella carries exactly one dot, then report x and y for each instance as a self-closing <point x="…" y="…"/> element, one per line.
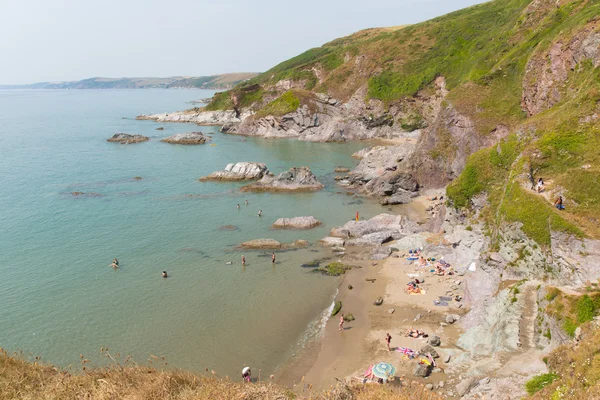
<point x="384" y="370"/>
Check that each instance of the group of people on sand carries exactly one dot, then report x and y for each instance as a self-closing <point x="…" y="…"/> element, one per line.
<point x="412" y="286"/>
<point x="442" y="268"/>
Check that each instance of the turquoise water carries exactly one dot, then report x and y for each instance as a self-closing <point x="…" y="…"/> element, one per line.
<point x="60" y="298"/>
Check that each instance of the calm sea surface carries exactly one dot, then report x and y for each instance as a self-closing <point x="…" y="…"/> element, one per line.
<point x="59" y="297"/>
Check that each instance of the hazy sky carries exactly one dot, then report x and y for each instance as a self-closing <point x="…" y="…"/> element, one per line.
<point x="50" y="40"/>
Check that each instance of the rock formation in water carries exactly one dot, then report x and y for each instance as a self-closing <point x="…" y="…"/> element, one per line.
<point x="297" y="179"/>
<point x="189" y="138"/>
<point x="240" y="171"/>
<point x="126" y="138"/>
<point x="296" y="223"/>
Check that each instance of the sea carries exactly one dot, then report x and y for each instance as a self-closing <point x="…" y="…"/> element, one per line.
<point x="60" y="299"/>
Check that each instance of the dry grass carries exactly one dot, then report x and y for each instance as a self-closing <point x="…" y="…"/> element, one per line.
<point x="20" y="379"/>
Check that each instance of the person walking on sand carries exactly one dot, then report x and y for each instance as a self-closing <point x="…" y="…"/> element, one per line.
<point x="273" y="258"/>
<point x="388" y="339"/>
<point x="243" y="260"/>
<point x="341" y="325"/>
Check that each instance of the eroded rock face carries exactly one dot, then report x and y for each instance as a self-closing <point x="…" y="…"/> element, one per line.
<point x="377" y="230"/>
<point x="241" y="171"/>
<point x="547" y="72"/>
<point x="296" y="223"/>
<point x="126" y="138"/>
<point x="330" y="241"/>
<point x="187" y="138"/>
<point x="198" y="116"/>
<point x="261" y="244"/>
<point x="297" y="179"/>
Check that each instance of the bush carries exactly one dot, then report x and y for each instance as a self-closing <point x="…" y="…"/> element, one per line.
<point x="537" y="383"/>
<point x="585" y="309"/>
<point x="284" y="104"/>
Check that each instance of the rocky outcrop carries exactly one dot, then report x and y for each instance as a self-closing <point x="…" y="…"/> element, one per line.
<point x="198" y="116"/>
<point x="296" y="223"/>
<point x="261" y="244"/>
<point x="330" y="241"/>
<point x="241" y="171"/>
<point x="297" y="179"/>
<point x="187" y="138"/>
<point x="126" y="138"/>
<point x="547" y="71"/>
<point x="375" y="231"/>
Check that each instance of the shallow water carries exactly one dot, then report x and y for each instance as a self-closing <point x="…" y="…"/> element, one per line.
<point x="60" y="298"/>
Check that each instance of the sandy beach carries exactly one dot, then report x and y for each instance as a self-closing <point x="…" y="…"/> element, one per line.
<point x="348" y="353"/>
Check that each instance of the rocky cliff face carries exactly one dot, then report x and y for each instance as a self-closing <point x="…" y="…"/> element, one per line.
<point x="240" y="171"/>
<point x="297" y="179"/>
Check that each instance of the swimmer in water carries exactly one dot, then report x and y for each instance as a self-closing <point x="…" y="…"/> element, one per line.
<point x="260" y="213"/>
<point x="164" y="274"/>
<point x="115" y="261"/>
<point x="246" y="203"/>
<point x="238" y="206"/>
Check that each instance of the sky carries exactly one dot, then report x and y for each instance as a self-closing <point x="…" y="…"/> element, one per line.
<point x="58" y="40"/>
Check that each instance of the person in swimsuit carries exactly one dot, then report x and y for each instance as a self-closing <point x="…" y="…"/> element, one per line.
<point x="388" y="339"/>
<point x="273" y="258"/>
<point x="243" y="260"/>
<point x="260" y="213"/>
<point x="164" y="274"/>
<point x="115" y="261"/>
<point x="246" y="203"/>
<point x="341" y="325"/>
<point x="238" y="206"/>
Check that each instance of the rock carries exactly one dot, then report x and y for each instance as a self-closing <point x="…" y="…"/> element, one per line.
<point x="429" y="386"/>
<point x="423" y="370"/>
<point x="361" y="153"/>
<point x="296" y="223"/>
<point x="379" y="301"/>
<point x="300" y="243"/>
<point x="261" y="244"/>
<point x="349" y="287"/>
<point x="228" y="228"/>
<point x="484" y="381"/>
<point x="428" y="349"/>
<point x="197" y="116"/>
<point x="577" y="335"/>
<point x="450" y="394"/>
<point x="187" y="138"/>
<point x="382" y="228"/>
<point x="380" y="253"/>
<point x="465" y="386"/>
<point x="434" y="340"/>
<point x="125" y="138"/>
<point x="297" y="179"/>
<point x="330" y="241"/>
<point x="341" y="169"/>
<point x="349" y="317"/>
<point x="417" y="317"/>
<point x="452" y="318"/>
<point x="137" y="178"/>
<point x="441" y="384"/>
<point x="447" y="358"/>
<point x="160" y="128"/>
<point x="240" y="171"/>
<point x="391" y="311"/>
<point x="338" y="249"/>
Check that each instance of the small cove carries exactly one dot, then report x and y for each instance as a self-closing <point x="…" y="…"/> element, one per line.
<point x="59" y="298"/>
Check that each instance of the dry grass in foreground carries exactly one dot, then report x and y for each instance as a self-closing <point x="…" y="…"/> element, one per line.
<point x="20" y="379"/>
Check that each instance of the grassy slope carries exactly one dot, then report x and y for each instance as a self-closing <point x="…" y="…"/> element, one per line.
<point x="20" y="379"/>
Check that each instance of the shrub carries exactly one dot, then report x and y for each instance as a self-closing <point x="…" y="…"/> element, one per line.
<point x="538" y="382"/>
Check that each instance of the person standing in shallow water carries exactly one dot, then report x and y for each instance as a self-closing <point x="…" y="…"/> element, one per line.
<point x="273" y="258"/>
<point x="238" y="206"/>
<point x="164" y="274"/>
<point x="243" y="260"/>
<point x="246" y="203"/>
<point x="260" y="213"/>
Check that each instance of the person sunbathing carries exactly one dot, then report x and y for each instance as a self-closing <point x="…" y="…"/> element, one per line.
<point x="415" y="333"/>
<point x="413" y="289"/>
<point x="422" y="261"/>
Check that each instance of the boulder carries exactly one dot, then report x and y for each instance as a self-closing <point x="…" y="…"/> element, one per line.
<point x="452" y="318"/>
<point x="332" y="241"/>
<point x="341" y="169"/>
<point x="394" y="226"/>
<point x="187" y="138"/>
<point x="297" y="179"/>
<point x="261" y="244"/>
<point x="374" y="239"/>
<point x="423" y="370"/>
<point x="380" y="253"/>
<point x="240" y="171"/>
<point x="361" y="153"/>
<point x="434" y="340"/>
<point x="464" y="386"/>
<point x="125" y="138"/>
<point x="296" y="223"/>
<point x="379" y="301"/>
<point x="427" y="349"/>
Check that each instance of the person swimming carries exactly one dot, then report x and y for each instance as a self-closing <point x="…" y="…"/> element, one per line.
<point x="238" y="206"/>
<point x="246" y="203"/>
<point x="164" y="274"/>
<point x="260" y="213"/>
<point x="115" y="261"/>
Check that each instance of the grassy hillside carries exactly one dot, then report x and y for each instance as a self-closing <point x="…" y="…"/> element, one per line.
<point x="502" y="65"/>
<point x="20" y="379"/>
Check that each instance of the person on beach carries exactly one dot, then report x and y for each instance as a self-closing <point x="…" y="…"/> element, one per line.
<point x="164" y="274"/>
<point x="273" y="258"/>
<point x="341" y="326"/>
<point x="260" y="213"/>
<point x="388" y="339"/>
<point x="243" y="260"/>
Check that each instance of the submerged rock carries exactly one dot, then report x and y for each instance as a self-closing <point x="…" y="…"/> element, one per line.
<point x="187" y="138"/>
<point x="126" y="138"/>
<point x="296" y="223"/>
<point x="297" y="179"/>
<point x="261" y="244"/>
<point x="240" y="171"/>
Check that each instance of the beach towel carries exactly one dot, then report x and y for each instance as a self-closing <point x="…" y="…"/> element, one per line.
<point x="406" y="351"/>
<point x="412" y="258"/>
<point x="445" y="298"/>
<point x="413" y="275"/>
<point x="440" y="303"/>
<point x="422" y="292"/>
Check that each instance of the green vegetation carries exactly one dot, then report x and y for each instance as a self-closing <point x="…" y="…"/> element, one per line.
<point x="349" y="317"/>
<point x="412" y="122"/>
<point x="538" y="382"/>
<point x="334" y="269"/>
<point x="336" y="308"/>
<point x="286" y="103"/>
<point x="572" y="311"/>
